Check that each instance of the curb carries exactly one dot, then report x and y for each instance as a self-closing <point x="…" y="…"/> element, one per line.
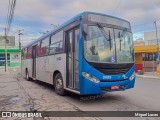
<point x="144" y="76"/>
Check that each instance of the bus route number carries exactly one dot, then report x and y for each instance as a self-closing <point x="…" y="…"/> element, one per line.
<point x="107" y="77"/>
<point x="59" y="58"/>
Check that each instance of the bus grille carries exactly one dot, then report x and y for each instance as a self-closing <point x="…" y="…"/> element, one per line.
<point x="112" y="69"/>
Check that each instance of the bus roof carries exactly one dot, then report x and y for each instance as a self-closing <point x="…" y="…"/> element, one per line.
<point x="78" y="16"/>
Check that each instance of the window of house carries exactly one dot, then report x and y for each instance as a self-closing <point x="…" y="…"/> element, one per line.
<point x="149" y="57"/>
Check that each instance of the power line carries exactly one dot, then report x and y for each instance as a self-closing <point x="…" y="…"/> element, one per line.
<point x="151" y="22"/>
<point x="10" y="15"/>
<point x="117" y="6"/>
<point x="143" y="24"/>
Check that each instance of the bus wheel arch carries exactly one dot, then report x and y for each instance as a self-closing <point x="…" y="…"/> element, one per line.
<point x="58" y="83"/>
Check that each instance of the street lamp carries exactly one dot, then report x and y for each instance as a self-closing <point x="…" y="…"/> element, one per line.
<point x="42" y="33"/>
<point x="54" y="26"/>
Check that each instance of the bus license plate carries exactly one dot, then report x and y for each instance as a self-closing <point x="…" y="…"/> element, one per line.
<point x="115" y="87"/>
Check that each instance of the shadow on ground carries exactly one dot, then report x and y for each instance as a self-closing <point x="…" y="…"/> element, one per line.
<point x="105" y="97"/>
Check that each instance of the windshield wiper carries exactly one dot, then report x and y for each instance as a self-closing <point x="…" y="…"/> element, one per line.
<point x="119" y="36"/>
<point x="108" y="37"/>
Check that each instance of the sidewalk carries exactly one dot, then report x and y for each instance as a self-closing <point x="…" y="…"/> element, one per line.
<point x="10" y="71"/>
<point x="149" y="75"/>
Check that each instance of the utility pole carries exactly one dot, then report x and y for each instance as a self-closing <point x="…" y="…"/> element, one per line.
<point x="6" y="40"/>
<point x="19" y="34"/>
<point x="155" y="23"/>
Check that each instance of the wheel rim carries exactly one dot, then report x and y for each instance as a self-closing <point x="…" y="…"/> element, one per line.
<point x="59" y="84"/>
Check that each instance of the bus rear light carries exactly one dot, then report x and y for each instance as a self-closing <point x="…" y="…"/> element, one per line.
<point x="90" y="77"/>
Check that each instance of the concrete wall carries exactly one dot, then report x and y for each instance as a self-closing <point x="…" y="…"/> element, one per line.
<point x="150" y="37"/>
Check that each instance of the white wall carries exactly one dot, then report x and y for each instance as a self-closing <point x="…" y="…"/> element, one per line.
<point x="150" y="38"/>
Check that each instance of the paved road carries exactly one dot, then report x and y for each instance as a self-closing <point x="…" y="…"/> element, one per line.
<point x="145" y="96"/>
<point x="16" y="93"/>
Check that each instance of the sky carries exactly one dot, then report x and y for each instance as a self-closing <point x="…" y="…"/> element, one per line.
<point x="36" y="16"/>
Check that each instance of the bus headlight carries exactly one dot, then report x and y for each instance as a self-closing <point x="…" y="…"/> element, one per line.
<point x="132" y="76"/>
<point x="90" y="77"/>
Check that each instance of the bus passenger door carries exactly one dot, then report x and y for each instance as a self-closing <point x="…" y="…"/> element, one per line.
<point x="72" y="58"/>
<point x="34" y="61"/>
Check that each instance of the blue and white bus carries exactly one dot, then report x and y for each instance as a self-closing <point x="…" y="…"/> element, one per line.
<point x="91" y="53"/>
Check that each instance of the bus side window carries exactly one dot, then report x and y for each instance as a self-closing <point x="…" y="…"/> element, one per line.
<point x="56" y="44"/>
<point x="29" y="52"/>
<point x="44" y="46"/>
<point x="56" y="48"/>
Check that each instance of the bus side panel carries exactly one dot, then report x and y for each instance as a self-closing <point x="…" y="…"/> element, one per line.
<point x="60" y="65"/>
<point x="47" y="65"/>
<point x="42" y="68"/>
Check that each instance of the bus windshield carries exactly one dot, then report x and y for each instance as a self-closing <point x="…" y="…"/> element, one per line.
<point x="104" y="44"/>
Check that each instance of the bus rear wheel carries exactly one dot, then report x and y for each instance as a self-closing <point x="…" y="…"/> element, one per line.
<point x="58" y="84"/>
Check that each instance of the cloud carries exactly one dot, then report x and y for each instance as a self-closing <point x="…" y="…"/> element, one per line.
<point x="36" y="16"/>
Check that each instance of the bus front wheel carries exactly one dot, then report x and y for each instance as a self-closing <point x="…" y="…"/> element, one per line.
<point x="58" y="83"/>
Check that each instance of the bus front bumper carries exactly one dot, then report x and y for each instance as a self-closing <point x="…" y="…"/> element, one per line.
<point x="89" y="87"/>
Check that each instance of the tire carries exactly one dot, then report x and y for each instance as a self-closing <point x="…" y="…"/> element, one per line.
<point x="27" y="75"/>
<point x="58" y="84"/>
